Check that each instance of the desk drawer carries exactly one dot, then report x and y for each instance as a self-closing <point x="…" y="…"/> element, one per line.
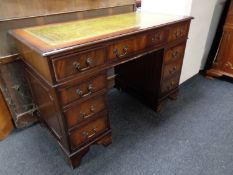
<point x="82" y="90"/>
<point x="78" y="63"/>
<point x="174" y="53"/>
<point x="178" y="31"/>
<point x="126" y="47"/>
<point x="157" y="37"/>
<point x="172" y="69"/>
<point x="85" y="110"/>
<point x="169" y="85"/>
<point x="88" y="132"/>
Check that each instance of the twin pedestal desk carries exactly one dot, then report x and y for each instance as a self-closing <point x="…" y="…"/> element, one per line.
<point x="67" y="63"/>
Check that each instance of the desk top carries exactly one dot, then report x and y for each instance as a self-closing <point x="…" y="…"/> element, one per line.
<point x="52" y="38"/>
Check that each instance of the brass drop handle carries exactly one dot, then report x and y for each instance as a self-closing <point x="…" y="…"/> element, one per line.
<point x="77" y="65"/>
<point x="153" y="39"/>
<point x="175" y="54"/>
<point x="173" y="70"/>
<point x="159" y="36"/>
<point x="88" y="135"/>
<point x="85" y="116"/>
<point x="80" y="92"/>
<point x="120" y="55"/>
<point x="178" y="33"/>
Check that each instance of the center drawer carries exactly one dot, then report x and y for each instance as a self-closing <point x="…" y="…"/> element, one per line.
<point x="125" y="47"/>
<point x="82" y="90"/>
<point x="89" y="131"/>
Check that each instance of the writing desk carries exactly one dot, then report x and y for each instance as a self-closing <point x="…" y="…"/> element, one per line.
<point x="66" y="65"/>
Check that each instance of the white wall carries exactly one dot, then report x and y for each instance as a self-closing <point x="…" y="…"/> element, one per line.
<point x="178" y="7"/>
<point x="202" y="11"/>
<point x="213" y="27"/>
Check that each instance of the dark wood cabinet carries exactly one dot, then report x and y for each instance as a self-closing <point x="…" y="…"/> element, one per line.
<point x="66" y="65"/>
<point x="223" y="63"/>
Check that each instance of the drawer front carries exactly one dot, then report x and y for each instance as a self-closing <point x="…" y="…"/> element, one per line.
<point x="126" y="47"/>
<point x="157" y="37"/>
<point x="178" y="31"/>
<point x="169" y="85"/>
<point x="86" y="110"/>
<point x="78" y="63"/>
<point x="174" y="53"/>
<point x="172" y="69"/>
<point x="88" y="132"/>
<point x="82" y="90"/>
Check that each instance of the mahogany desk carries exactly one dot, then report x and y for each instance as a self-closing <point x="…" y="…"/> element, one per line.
<point x="66" y="65"/>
